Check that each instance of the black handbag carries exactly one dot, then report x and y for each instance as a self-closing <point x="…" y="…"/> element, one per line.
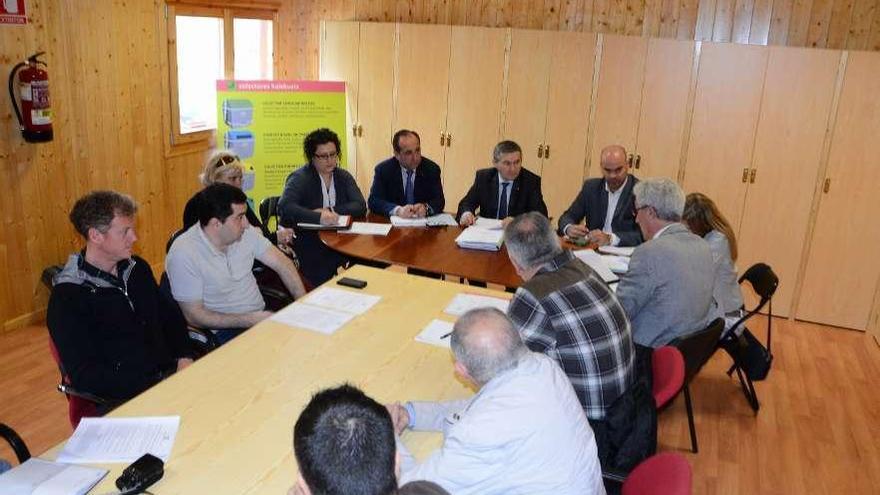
<point x="750" y="353"/>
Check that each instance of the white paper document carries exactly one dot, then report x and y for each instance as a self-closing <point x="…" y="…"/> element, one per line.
<point x="341" y="222"/>
<point x="475" y="237"/>
<point x="463" y="303"/>
<point x="617" y="264"/>
<point x="106" y="440"/>
<point x="343" y="300"/>
<point x="39" y="477"/>
<point x="441" y="220"/>
<point x="368" y="228"/>
<point x="489" y="223"/>
<point x="617" y="251"/>
<point x="436" y="333"/>
<point x="314" y="318"/>
<point x="597" y="262"/>
<point x="408" y="222"/>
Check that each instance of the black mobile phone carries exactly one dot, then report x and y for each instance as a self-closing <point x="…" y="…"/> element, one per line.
<point x="352" y="282"/>
<point x="142" y="473"/>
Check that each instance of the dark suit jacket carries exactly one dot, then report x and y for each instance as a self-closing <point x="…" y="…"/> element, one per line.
<point x="592" y="203"/>
<point x="302" y="194"/>
<point x="525" y="195"/>
<point x="387" y="190"/>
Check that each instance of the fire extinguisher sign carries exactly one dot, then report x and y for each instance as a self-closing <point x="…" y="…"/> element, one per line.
<point x="13" y="12"/>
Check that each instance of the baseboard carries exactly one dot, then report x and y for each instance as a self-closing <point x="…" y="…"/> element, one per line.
<point x="25" y="320"/>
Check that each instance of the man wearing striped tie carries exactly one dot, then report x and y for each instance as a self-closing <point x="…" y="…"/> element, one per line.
<point x="503" y="191"/>
<point x="407" y="184"/>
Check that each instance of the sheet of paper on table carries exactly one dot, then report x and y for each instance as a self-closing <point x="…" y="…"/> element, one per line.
<point x="314" y="318"/>
<point x="368" y="228"/>
<point x="341" y="223"/>
<point x="107" y="440"/>
<point x="39" y="477"/>
<point x="463" y="303"/>
<point x="408" y="222"/>
<point x="617" y="250"/>
<point x="489" y="223"/>
<point x="436" y="333"/>
<point x="598" y="263"/>
<point x="441" y="220"/>
<point x="342" y="300"/>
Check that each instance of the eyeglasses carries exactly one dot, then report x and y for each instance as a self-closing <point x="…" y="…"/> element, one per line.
<point x="328" y="156"/>
<point x="639" y="208"/>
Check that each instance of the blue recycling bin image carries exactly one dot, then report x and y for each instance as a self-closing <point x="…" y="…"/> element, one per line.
<point x="238" y="113"/>
<point x="240" y="142"/>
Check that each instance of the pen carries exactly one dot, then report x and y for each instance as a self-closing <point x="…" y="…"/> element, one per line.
<point x="445" y="335"/>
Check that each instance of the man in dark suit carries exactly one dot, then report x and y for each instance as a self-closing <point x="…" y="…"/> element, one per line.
<point x="607" y="204"/>
<point x="504" y="191"/>
<point x="407" y="184"/>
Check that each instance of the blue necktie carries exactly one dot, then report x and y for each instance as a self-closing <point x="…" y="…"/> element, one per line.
<point x="410" y="196"/>
<point x="502" y="204"/>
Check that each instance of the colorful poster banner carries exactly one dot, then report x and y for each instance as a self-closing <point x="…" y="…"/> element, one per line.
<point x="265" y="122"/>
<point x="13" y="12"/>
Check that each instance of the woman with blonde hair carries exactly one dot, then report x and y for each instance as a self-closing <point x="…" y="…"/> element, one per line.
<point x="224" y="166"/>
<point x="703" y="218"/>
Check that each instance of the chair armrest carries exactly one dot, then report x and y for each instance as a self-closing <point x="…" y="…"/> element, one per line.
<point x="68" y="390"/>
<point x="15" y="441"/>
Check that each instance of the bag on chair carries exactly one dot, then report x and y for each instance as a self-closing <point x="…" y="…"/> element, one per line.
<point x="750" y="353"/>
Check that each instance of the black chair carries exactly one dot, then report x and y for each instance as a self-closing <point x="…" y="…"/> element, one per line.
<point x="269" y="211"/>
<point x="15" y="441"/>
<point x="203" y="341"/>
<point x="764" y="282"/>
<point x="697" y="348"/>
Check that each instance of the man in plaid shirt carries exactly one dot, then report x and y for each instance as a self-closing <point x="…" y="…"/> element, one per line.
<point x="567" y="312"/>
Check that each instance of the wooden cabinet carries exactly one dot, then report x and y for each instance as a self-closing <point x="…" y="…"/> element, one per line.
<point x="795" y="107"/>
<point x="840" y="281"/>
<point x="362" y="55"/>
<point x="725" y="116"/>
<point x="528" y="85"/>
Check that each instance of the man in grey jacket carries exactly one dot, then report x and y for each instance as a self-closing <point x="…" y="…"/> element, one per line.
<point x="523" y="432"/>
<point x="667" y="291"/>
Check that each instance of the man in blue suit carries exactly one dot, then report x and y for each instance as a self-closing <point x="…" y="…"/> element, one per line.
<point x="407" y="184"/>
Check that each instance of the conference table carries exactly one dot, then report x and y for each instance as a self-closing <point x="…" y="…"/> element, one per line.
<point x="431" y="249"/>
<point x="239" y="403"/>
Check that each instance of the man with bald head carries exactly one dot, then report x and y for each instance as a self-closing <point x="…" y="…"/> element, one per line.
<point x="523" y="432"/>
<point x="606" y="203"/>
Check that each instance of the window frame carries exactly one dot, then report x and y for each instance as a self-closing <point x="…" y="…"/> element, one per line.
<point x="228" y="11"/>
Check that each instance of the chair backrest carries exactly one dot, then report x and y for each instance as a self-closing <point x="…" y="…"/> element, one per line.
<point x="666" y="473"/>
<point x="173" y="238"/>
<point x="269" y="210"/>
<point x="15" y="441"/>
<point x="667" y="365"/>
<point x="698" y="347"/>
<point x="762" y="279"/>
<point x="48" y="275"/>
<point x="77" y="407"/>
<point x="202" y="341"/>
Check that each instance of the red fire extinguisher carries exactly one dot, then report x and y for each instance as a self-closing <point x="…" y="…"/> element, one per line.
<point x="35" y="115"/>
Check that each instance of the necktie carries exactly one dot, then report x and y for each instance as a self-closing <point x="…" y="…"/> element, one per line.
<point x="410" y="196"/>
<point x="502" y="203"/>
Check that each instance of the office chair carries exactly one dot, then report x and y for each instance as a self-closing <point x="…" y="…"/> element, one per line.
<point x="667" y="365"/>
<point x="268" y="212"/>
<point x="15" y="441"/>
<point x="80" y="404"/>
<point x="697" y="348"/>
<point x="667" y="473"/>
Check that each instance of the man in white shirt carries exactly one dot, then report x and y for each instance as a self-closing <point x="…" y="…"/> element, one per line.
<point x="523" y="432"/>
<point x="606" y="203"/>
<point x="210" y="266"/>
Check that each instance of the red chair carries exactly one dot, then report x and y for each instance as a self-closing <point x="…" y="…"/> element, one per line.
<point x="662" y="474"/>
<point x="79" y="404"/>
<point x="668" y="367"/>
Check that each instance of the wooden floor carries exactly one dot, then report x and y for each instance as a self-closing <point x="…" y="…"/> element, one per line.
<point x="818" y="430"/>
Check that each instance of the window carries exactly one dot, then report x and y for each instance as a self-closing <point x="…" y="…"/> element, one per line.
<point x="207" y="43"/>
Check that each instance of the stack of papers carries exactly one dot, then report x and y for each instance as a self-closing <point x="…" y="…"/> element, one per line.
<point x="326" y="310"/>
<point x="37" y="476"/>
<point x="475" y="237"/>
<point x="341" y="223"/>
<point x="436" y="333"/>
<point x="408" y="222"/>
<point x="441" y="220"/>
<point x="367" y="228"/>
<point x="462" y="303"/>
<point x="617" y="251"/>
<point x="617" y="264"/>
<point x="489" y="223"/>
<point x="107" y="440"/>
<point x="598" y="263"/>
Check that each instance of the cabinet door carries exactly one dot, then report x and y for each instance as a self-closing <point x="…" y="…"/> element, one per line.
<point x="375" y="78"/>
<point x="422" y="85"/>
<point x="664" y="106"/>
<point x="527" y="85"/>
<point x="723" y="126"/>
<point x="843" y="267"/>
<point x="568" y="116"/>
<point x="339" y="62"/>
<point x="476" y="73"/>
<point x="798" y="91"/>
<point x="619" y="96"/>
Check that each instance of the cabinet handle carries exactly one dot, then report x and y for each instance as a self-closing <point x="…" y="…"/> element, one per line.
<point x="449" y="140"/>
<point x="752" y="176"/>
<point x="629" y="159"/>
<point x="546" y="151"/>
<point x="360" y="130"/>
<point x="354" y="130"/>
<point x="827" y="186"/>
<point x="745" y="175"/>
<point x="541" y="150"/>
<point x="638" y="161"/>
<point x="442" y="139"/>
